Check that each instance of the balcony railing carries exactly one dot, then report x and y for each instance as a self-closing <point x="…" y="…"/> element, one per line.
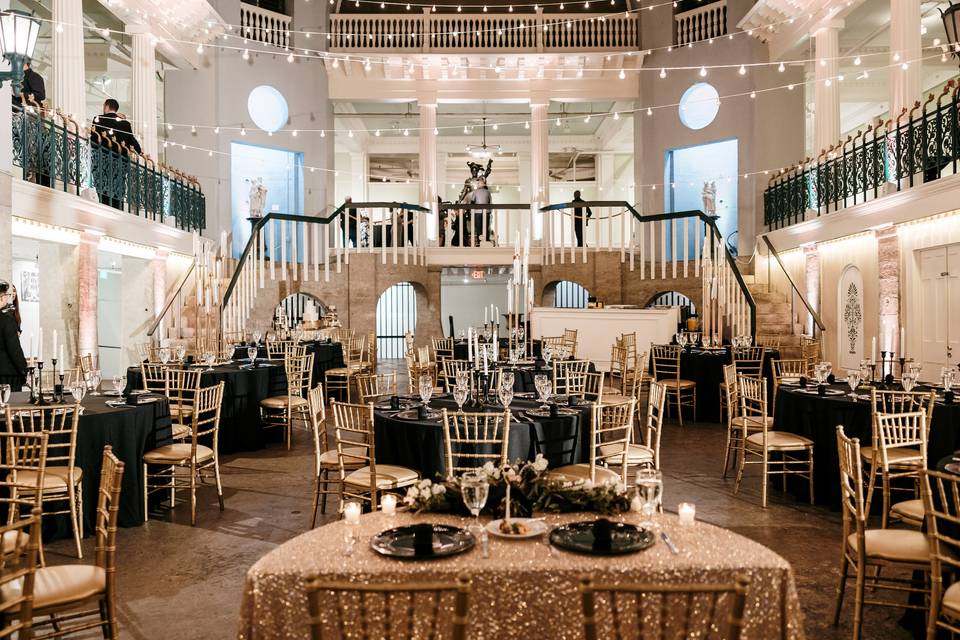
<point x="484" y="32"/>
<point x="263" y="25"/>
<point x="921" y="146"/>
<point x="61" y="157"/>
<point x="702" y="23"/>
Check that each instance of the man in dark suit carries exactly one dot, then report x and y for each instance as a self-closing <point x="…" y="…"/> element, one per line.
<point x="32" y="88"/>
<point x="33" y="93"/>
<point x="579" y="221"/>
<point x="110" y="163"/>
<point x="13" y="366"/>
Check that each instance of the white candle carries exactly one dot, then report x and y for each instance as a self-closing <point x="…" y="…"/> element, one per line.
<point x="507" y="513"/>
<point x="60" y="361"/>
<point x="40" y="346"/>
<point x="496" y="318"/>
<point x="54" y="343"/>
<point x="903" y="343"/>
<point x="509" y="299"/>
<point x="873" y="350"/>
<point x="687" y="512"/>
<point x="484" y="361"/>
<point x="351" y="512"/>
<point x="388" y="504"/>
<point x="484" y="316"/>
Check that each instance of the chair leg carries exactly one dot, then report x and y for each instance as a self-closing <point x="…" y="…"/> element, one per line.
<point x="216" y="475"/>
<point x="743" y="458"/>
<point x="936" y="592"/>
<point x="193" y="496"/>
<point x="146" y="510"/>
<point x="108" y="613"/>
<point x="679" y="408"/>
<point x="763" y="479"/>
<point x="726" y="452"/>
<point x="810" y="468"/>
<point x="173" y="487"/>
<point x="316" y="499"/>
<point x="885" y="478"/>
<point x="74" y="521"/>
<point x="858" y="603"/>
<point x="841" y="586"/>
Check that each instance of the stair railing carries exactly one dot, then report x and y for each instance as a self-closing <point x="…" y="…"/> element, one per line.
<point x="795" y="290"/>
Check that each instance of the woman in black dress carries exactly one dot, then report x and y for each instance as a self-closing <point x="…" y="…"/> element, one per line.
<point x="13" y="366"/>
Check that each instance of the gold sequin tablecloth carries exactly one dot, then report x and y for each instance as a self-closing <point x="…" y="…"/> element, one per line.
<point x="520" y="591"/>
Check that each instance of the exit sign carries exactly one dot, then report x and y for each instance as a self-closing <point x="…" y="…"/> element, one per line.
<point x="478" y="274"/>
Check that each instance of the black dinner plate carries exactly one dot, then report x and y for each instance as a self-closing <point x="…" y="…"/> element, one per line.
<point x="398" y="542"/>
<point x="624" y="538"/>
<point x="545" y="413"/>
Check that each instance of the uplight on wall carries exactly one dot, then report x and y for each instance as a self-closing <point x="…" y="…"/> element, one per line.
<point x="267" y="108"/>
<point x="699" y="105"/>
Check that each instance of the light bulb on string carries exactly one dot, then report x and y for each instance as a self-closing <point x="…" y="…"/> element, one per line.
<point x="350" y="133"/>
<point x="294" y="133"/>
<point x="622" y="74"/>
<point x="216" y="130"/>
<point x="616" y="115"/>
<point x="857" y="61"/>
<point x="436" y="131"/>
<point x="323" y="134"/>
<point x="743" y="70"/>
<point x="243" y="131"/>
<point x="753" y="94"/>
<point x="290" y="57"/>
<point x="558" y="123"/>
<point x="781" y="68"/>
<point x="169" y="127"/>
<point x="649" y="111"/>
<point x="526" y="125"/>
<point x="663" y="73"/>
<point x="703" y="72"/>
<point x="406" y="132"/>
<point x="200" y="49"/>
<point x="246" y="54"/>
<point x="59" y="27"/>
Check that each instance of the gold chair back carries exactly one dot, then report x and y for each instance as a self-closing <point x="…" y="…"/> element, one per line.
<point x="450" y="370"/>
<point x="374" y="386"/>
<point x="653" y="428"/>
<point x="472" y="439"/>
<point x="753" y="403"/>
<point x="206" y="416"/>
<point x="748" y="360"/>
<point x="18" y="565"/>
<point x="356" y="445"/>
<point x="442" y="348"/>
<point x="570" y="377"/>
<point x="154" y="377"/>
<point x="851" y="487"/>
<point x="108" y="511"/>
<point x="809" y="353"/>
<point x="941" y="505"/>
<point x="318" y="423"/>
<point x="182" y="387"/>
<point x="767" y="340"/>
<point x="22" y="469"/>
<point x="611" y="428"/>
<point x="666" y="362"/>
<point x="906" y="432"/>
<point x="59" y="422"/>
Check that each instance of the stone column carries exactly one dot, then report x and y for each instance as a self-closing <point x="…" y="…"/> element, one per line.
<point x="812" y="263"/>
<point x="87" y="293"/>
<point x="539" y="151"/>
<point x="826" y="92"/>
<point x="143" y="71"/>
<point x="888" y="269"/>
<point x="428" y="152"/>
<point x="6" y="182"/>
<point x="69" y="89"/>
<point x="904" y="84"/>
<point x="159" y="287"/>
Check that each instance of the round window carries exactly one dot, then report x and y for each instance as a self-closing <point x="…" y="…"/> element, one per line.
<point x="699" y="105"/>
<point x="267" y="108"/>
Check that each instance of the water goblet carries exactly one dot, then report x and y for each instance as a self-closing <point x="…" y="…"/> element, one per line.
<point x="947" y="378"/>
<point x="828" y="369"/>
<point x="463" y="378"/>
<point x="460" y="394"/>
<point x="181" y="352"/>
<point x="650" y="491"/>
<point x="425" y="386"/>
<point x="4" y="395"/>
<point x="256" y="337"/>
<point x="853" y="379"/>
<point x="475" y="488"/>
<point x="513" y="357"/>
<point x="118" y="384"/>
<point x="542" y="384"/>
<point x="547" y="353"/>
<point x="208" y="359"/>
<point x="252" y="355"/>
<point x="505" y="394"/>
<point x="94" y="380"/>
<point x="78" y="391"/>
<point x="908" y="380"/>
<point x="507" y="379"/>
<point x="164" y="355"/>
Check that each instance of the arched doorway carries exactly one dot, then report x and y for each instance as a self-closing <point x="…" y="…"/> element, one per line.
<point x="396" y="315"/>
<point x="298" y="307"/>
<point x="674" y="299"/>
<point x="566" y="294"/>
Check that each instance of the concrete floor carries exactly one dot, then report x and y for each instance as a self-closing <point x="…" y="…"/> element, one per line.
<point x="183" y="582"/>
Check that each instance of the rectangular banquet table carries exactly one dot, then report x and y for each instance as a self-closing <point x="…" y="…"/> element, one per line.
<point x="240" y="426"/>
<point x="520" y="591"/>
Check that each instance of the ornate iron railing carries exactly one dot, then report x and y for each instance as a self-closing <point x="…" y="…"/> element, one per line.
<point x="920" y="146"/>
<point x="62" y="156"/>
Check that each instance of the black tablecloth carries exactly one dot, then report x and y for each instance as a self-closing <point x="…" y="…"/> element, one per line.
<point x="419" y="444"/>
<point x="326" y="355"/>
<point x="131" y="431"/>
<point x="244" y="388"/>
<point x="461" y="350"/>
<point x="816" y="417"/>
<point x="706" y="369"/>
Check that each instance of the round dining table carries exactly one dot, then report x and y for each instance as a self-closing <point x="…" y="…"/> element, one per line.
<point x="326" y="355"/>
<point x="131" y="430"/>
<point x="417" y="443"/>
<point x="806" y="413"/>
<point x="244" y="387"/>
<point x="523" y="589"/>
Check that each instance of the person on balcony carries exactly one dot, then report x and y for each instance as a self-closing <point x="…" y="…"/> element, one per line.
<point x="579" y="220"/>
<point x="112" y="163"/>
<point x="480" y="195"/>
<point x="13" y="366"/>
<point x="32" y="89"/>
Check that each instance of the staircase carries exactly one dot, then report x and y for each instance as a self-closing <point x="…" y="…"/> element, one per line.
<point x="774" y="317"/>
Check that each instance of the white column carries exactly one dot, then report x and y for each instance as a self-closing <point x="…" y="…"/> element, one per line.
<point x="639" y="192"/>
<point x="539" y="151"/>
<point x="6" y="186"/>
<point x="428" y="154"/>
<point x="359" y="176"/>
<point x="143" y="69"/>
<point x="904" y="49"/>
<point x="69" y="90"/>
<point x="826" y="92"/>
<point x="606" y="178"/>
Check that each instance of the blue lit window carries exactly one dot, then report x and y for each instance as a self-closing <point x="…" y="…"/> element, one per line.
<point x="699" y="105"/>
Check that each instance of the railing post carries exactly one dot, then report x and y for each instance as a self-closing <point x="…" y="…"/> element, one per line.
<point x="426" y="33"/>
<point x="538" y="27"/>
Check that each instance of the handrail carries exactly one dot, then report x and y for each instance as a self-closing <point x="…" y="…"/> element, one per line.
<point x="292" y="217"/>
<point x="676" y="215"/>
<point x="816" y="317"/>
<point x="173" y="296"/>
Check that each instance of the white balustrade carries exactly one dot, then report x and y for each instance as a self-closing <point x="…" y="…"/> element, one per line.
<point x="263" y="25"/>
<point x="702" y="23"/>
<point x="484" y="32"/>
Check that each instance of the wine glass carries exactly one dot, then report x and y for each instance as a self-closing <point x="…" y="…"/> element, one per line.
<point x="252" y="354"/>
<point x="514" y="356"/>
<point x="164" y="355"/>
<point x="94" y="380"/>
<point x="425" y="386"/>
<point x="507" y="379"/>
<point x="820" y="372"/>
<point x="4" y="395"/>
<point x="505" y="394"/>
<point x="547" y="353"/>
<point x="853" y="379"/>
<point x="474" y="487"/>
<point x="543" y="386"/>
<point x="208" y="359"/>
<point x="650" y="492"/>
<point x="181" y="352"/>
<point x="78" y="391"/>
<point x="947" y="378"/>
<point x="463" y="378"/>
<point x="460" y="393"/>
<point x="118" y="383"/>
<point x="827" y="369"/>
<point x="908" y="380"/>
<point x="256" y="337"/>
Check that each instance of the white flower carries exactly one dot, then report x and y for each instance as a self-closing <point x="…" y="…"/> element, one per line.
<point x="587" y="485"/>
<point x="426" y="483"/>
<point x="488" y="468"/>
<point x="510" y="474"/>
<point x="540" y="463"/>
<point x="413" y="493"/>
<point x="438" y="489"/>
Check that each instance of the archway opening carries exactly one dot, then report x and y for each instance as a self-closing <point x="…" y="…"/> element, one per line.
<point x="674" y="299"/>
<point x="566" y="294"/>
<point x="396" y="315"/>
<point x="300" y="307"/>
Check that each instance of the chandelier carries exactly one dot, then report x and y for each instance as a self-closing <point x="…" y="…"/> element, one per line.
<point x="483" y="151"/>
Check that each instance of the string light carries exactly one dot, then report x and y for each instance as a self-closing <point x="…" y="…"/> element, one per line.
<point x="616" y="115"/>
<point x="857" y="61"/>
<point x="743" y="70"/>
<point x="246" y="54"/>
<point x="703" y="72"/>
<point x="622" y="74"/>
<point x="781" y="68"/>
<point x="663" y="73"/>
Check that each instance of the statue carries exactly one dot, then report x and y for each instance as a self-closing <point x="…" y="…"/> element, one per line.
<point x="258" y="197"/>
<point x="710" y="198"/>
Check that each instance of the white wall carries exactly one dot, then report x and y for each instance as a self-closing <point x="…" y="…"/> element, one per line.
<point x="466" y="302"/>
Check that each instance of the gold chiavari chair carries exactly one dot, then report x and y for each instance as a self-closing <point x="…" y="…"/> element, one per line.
<point x="154" y="377"/>
<point x="450" y="370"/>
<point x="570" y="341"/>
<point x="281" y="411"/>
<point x="901" y="461"/>
<point x="51" y="378"/>
<point x="592" y="387"/>
<point x="611" y="427"/>
<point x="59" y="591"/>
<point x="747" y="361"/>
<point x="786" y="371"/>
<point x="551" y="341"/>
<point x="191" y="455"/>
<point x="148" y="352"/>
<point x="648" y="453"/>
<point x="182" y="387"/>
<point x="809" y="353"/>
<point x="736" y="422"/>
<point x="18" y="566"/>
<point x="339" y="380"/>
<point x="362" y="477"/>
<point x="472" y="439"/>
<point x="326" y="461"/>
<point x="375" y="386"/>
<point x="570" y="377"/>
<point x="86" y="363"/>
<point x="865" y="549"/>
<point x="619" y="367"/>
<point x="442" y="348"/>
<point x="388" y="611"/>
<point x="666" y="369"/>
<point x="62" y="479"/>
<point x="415" y="372"/>
<point x="763" y="441"/>
<point x="706" y="610"/>
<point x="277" y="349"/>
<point x="941" y="503"/>
<point x="767" y="340"/>
<point x="22" y="467"/>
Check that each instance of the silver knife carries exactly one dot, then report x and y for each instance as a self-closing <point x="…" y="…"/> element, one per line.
<point x="485" y="544"/>
<point x="667" y="541"/>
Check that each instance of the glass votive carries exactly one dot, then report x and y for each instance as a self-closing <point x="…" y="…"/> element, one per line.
<point x="388" y="504"/>
<point x="636" y="504"/>
<point x="351" y="512"/>
<point x="687" y="512"/>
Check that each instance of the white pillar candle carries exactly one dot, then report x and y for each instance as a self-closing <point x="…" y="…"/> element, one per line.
<point x="351" y="512"/>
<point x="687" y="512"/>
<point x="60" y="360"/>
<point x="388" y="504"/>
<point x="54" y="343"/>
<point x="903" y="343"/>
<point x="40" y="346"/>
<point x="484" y="316"/>
<point x="873" y="350"/>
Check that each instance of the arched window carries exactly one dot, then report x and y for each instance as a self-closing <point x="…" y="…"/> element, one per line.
<point x="570" y="295"/>
<point x="396" y="315"/>
<point x="298" y="307"/>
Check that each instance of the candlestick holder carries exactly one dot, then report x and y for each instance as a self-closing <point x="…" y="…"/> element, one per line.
<point x="31" y="383"/>
<point x="40" y="400"/>
<point x="903" y="363"/>
<point x="873" y="372"/>
<point x="58" y="390"/>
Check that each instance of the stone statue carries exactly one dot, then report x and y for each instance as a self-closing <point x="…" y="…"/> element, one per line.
<point x="258" y="197"/>
<point x="477" y="173"/>
<point x="710" y="198"/>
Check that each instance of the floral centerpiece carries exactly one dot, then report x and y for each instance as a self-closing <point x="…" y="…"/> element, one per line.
<point x="532" y="490"/>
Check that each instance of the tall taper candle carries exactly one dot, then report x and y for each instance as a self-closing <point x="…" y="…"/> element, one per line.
<point x="903" y="343"/>
<point x="873" y="350"/>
